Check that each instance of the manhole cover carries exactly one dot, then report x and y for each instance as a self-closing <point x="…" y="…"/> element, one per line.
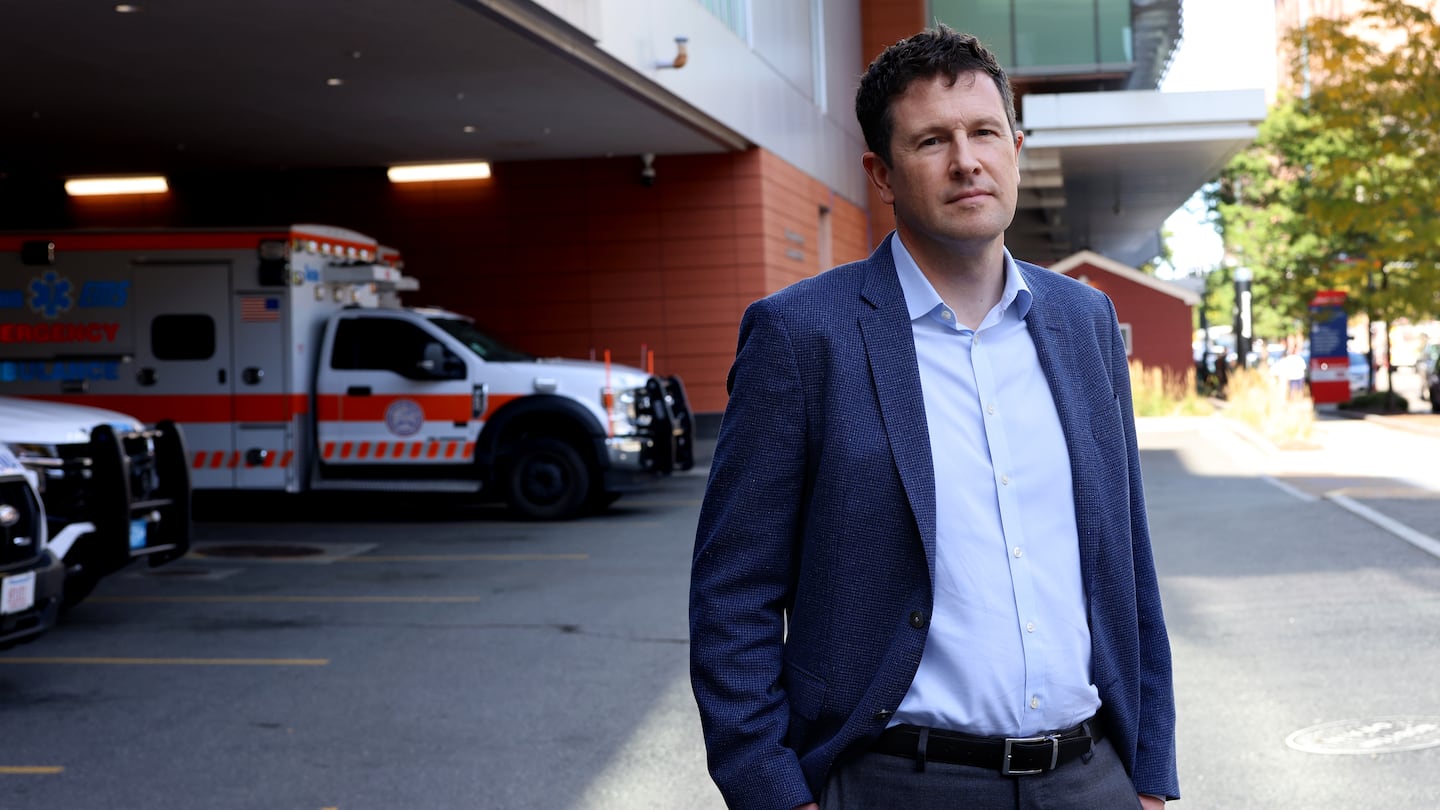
<point x="1382" y="735"/>
<point x="252" y="550"/>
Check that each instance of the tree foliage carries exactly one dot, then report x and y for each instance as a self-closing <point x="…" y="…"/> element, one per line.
<point x="1341" y="190"/>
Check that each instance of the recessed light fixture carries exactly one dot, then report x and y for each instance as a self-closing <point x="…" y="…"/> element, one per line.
<point x="126" y="8"/>
<point x="96" y="186"/>
<point x="467" y="129"/>
<point x="430" y="172"/>
<point x="334" y="82"/>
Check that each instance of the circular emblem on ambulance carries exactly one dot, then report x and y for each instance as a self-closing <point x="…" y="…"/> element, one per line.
<point x="404" y="417"/>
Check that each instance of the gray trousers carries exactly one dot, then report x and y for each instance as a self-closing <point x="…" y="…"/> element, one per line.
<point x="882" y="782"/>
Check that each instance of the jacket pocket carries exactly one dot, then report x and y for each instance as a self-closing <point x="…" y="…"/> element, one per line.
<point x="805" y="690"/>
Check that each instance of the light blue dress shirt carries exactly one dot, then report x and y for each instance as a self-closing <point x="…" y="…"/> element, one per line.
<point x="1008" y="650"/>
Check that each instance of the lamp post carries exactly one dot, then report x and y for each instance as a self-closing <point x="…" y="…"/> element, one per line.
<point x="1243" y="335"/>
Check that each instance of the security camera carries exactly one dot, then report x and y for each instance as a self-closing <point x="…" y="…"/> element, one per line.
<point x="647" y="173"/>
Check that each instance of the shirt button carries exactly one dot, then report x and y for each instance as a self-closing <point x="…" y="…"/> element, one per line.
<point x="1035" y="702"/>
<point x="1005" y="480"/>
<point x="990" y="409"/>
<point x="917" y="619"/>
<point x="945" y="313"/>
<point x="1030" y="628"/>
<point x="1017" y="552"/>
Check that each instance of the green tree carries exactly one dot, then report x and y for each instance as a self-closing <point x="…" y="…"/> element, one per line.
<point x="1341" y="190"/>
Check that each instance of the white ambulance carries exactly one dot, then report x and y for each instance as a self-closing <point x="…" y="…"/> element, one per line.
<point x="287" y="359"/>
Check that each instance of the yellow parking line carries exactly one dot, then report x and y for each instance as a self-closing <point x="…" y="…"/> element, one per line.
<point x="42" y="770"/>
<point x="381" y="600"/>
<point x="204" y="662"/>
<point x="465" y="558"/>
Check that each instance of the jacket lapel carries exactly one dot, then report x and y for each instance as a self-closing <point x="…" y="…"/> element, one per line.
<point x="890" y="347"/>
<point x="1047" y="322"/>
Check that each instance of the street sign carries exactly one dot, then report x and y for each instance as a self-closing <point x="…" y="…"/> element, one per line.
<point x="1329" y="356"/>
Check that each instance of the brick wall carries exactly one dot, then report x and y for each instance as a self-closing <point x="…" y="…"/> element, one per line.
<point x="565" y="258"/>
<point x="883" y="23"/>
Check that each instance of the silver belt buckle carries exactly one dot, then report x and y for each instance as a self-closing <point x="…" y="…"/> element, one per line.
<point x="1053" y="739"/>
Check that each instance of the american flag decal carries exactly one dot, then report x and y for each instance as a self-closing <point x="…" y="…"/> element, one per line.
<point x="259" y="309"/>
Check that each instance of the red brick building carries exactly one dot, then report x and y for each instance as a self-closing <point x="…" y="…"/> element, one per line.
<point x="1156" y="317"/>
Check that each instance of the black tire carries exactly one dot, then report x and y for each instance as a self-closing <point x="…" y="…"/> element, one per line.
<point x="78" y="585"/>
<point x="546" y="479"/>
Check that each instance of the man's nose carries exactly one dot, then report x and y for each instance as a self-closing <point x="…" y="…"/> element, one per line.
<point x="963" y="159"/>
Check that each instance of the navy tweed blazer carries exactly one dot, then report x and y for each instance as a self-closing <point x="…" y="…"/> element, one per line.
<point x="811" y="585"/>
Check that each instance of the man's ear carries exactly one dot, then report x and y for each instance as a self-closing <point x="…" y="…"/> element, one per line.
<point x="879" y="173"/>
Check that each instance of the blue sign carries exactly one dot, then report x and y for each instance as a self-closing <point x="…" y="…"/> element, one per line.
<point x="46" y="371"/>
<point x="1328" y="336"/>
<point x="104" y="293"/>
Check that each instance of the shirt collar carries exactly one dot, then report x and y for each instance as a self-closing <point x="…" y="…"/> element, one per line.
<point x="921" y="298"/>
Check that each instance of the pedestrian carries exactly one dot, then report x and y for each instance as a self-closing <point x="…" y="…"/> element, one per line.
<point x="922" y="574"/>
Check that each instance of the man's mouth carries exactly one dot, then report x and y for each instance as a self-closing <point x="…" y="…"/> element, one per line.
<point x="969" y="195"/>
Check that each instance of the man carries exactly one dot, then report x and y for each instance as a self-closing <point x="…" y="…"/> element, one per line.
<point x="922" y="574"/>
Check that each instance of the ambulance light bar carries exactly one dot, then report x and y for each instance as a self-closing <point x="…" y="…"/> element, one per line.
<point x="272" y="250"/>
<point x="389" y="277"/>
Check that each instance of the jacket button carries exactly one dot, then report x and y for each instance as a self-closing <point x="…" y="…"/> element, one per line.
<point x="917" y="619"/>
<point x="883" y="715"/>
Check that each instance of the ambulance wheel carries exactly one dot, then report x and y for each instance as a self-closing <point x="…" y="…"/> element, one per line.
<point x="547" y="480"/>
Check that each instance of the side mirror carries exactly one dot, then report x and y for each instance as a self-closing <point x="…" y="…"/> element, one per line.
<point x="439" y="364"/>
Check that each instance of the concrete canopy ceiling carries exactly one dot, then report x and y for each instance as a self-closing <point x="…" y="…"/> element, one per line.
<point x="240" y="84"/>
<point x="237" y="85"/>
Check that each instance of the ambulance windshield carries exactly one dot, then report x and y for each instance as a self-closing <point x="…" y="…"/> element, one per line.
<point x="489" y="349"/>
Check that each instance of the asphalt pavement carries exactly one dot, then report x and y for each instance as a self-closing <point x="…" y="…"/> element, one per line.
<point x="366" y="653"/>
<point x="1302" y="593"/>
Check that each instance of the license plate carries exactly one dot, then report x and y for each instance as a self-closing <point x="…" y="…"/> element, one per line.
<point x="139" y="533"/>
<point x="17" y="593"/>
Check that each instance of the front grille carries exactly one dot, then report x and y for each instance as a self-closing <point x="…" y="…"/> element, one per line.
<point x="20" y="541"/>
<point x="71" y="490"/>
<point x="144" y="477"/>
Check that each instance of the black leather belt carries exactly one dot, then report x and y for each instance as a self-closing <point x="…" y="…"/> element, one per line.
<point x="1012" y="756"/>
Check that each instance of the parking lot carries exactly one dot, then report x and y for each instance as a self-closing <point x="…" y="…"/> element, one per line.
<point x="359" y="652"/>
<point x="371" y="652"/>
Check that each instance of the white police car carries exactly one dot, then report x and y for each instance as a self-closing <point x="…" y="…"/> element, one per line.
<point x="114" y="491"/>
<point x="32" y="579"/>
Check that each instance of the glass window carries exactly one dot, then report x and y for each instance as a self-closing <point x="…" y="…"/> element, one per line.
<point x="734" y="13"/>
<point x="1114" y="26"/>
<point x="1044" y="33"/>
<point x="482" y="344"/>
<point x="381" y="344"/>
<point x="1054" y="32"/>
<point x="987" y="19"/>
<point x="182" y="337"/>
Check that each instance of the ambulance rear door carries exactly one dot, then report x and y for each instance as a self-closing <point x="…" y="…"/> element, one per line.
<point x="182" y="361"/>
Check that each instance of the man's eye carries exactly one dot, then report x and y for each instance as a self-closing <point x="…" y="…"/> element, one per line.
<point x="930" y="142"/>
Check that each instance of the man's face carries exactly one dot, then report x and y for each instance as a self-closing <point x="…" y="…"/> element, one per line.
<point x="954" y="165"/>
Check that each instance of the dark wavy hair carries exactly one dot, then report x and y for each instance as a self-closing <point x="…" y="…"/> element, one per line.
<point x="939" y="51"/>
